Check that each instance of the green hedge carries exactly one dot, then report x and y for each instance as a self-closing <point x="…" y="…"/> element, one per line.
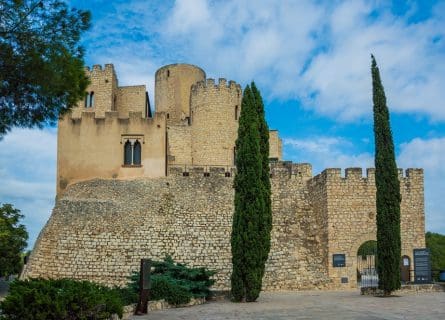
<point x="63" y="299"/>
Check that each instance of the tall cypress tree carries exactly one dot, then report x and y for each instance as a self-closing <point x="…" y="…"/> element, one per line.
<point x="247" y="238"/>
<point x="388" y="191"/>
<point x="263" y="128"/>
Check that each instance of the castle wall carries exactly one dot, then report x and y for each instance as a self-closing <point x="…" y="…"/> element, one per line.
<point x="90" y="147"/>
<point x="213" y="121"/>
<point x="350" y="203"/>
<point x="130" y="99"/>
<point x="275" y="148"/>
<point x="103" y="84"/>
<point x="100" y="229"/>
<point x="172" y="90"/>
<point x="179" y="145"/>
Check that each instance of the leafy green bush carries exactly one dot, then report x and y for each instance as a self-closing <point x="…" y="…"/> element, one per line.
<point x="196" y="280"/>
<point x="174" y="282"/>
<point x="62" y="299"/>
<point x="164" y="287"/>
<point x="436" y="243"/>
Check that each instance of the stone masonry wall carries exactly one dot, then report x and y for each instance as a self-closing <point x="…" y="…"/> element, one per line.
<point x="130" y="99"/>
<point x="275" y="148"/>
<point x="213" y="122"/>
<point x="179" y="144"/>
<point x="103" y="84"/>
<point x="99" y="230"/>
<point x="352" y="213"/>
<point x="172" y="90"/>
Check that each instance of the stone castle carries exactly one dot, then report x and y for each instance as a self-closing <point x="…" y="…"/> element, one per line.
<point x="132" y="184"/>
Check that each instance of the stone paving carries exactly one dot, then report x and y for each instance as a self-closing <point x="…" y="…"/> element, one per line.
<point x="331" y="305"/>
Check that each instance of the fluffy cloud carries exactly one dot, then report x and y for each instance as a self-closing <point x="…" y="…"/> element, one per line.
<point x="28" y="174"/>
<point x="326" y="152"/>
<point x="428" y="154"/>
<point x="317" y="53"/>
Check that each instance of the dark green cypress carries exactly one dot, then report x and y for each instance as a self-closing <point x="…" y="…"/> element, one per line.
<point x="263" y="128"/>
<point x="388" y="192"/>
<point x="247" y="251"/>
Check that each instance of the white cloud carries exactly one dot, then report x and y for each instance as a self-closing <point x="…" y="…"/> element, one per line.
<point x="318" y="53"/>
<point x="28" y="175"/>
<point x="326" y="152"/>
<point x="409" y="59"/>
<point x="428" y="154"/>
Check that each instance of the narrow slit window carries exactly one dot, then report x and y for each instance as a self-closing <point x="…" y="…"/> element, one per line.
<point x="87" y="97"/>
<point x="236" y="112"/>
<point x="137" y="153"/>
<point x="91" y="99"/>
<point x="128" y="153"/>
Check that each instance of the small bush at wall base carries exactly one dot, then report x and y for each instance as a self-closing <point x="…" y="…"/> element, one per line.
<point x="62" y="299"/>
<point x="173" y="282"/>
<point x="164" y="287"/>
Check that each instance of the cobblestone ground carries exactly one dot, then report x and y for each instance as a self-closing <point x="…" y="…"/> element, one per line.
<point x="315" y="305"/>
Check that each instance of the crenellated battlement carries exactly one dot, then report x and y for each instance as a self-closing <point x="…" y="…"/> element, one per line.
<point x="114" y="116"/>
<point x="209" y="84"/>
<point x="97" y="69"/>
<point x="201" y="171"/>
<point x="355" y="174"/>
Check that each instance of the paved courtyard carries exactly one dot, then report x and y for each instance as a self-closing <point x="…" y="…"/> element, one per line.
<point x="331" y="305"/>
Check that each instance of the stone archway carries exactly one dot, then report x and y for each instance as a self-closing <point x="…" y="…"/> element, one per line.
<point x="370" y="236"/>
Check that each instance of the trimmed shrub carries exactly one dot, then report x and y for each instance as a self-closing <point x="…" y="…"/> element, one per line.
<point x="62" y="299"/>
<point x="165" y="287"/>
<point x="174" y="282"/>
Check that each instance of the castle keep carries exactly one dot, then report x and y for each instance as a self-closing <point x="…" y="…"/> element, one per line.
<point x="134" y="183"/>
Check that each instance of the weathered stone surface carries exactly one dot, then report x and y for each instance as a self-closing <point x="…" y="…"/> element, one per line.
<point x="100" y="229"/>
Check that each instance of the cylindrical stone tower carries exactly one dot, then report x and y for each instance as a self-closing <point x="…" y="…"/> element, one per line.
<point x="172" y="90"/>
<point x="215" y="113"/>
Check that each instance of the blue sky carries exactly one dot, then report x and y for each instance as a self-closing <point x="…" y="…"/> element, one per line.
<point x="311" y="61"/>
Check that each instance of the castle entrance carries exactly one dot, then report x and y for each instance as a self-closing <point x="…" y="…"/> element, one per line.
<point x="366" y="265"/>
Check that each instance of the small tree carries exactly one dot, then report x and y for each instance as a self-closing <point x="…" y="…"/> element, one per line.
<point x="388" y="192"/>
<point x="13" y="238"/>
<point x="41" y="61"/>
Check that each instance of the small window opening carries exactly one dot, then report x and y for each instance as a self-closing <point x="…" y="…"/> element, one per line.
<point x="114" y="103"/>
<point x="185" y="174"/>
<point x="137" y="153"/>
<point x="87" y="97"/>
<point x="168" y="73"/>
<point x="206" y="174"/>
<point x="168" y="115"/>
<point x="91" y="104"/>
<point x="236" y="112"/>
<point x="128" y="153"/>
<point x="227" y="174"/>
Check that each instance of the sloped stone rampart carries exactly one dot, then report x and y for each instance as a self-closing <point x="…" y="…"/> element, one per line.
<point x="99" y="230"/>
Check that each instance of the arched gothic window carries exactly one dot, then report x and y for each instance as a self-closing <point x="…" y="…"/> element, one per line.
<point x="128" y="153"/>
<point x="137" y="153"/>
<point x="132" y="152"/>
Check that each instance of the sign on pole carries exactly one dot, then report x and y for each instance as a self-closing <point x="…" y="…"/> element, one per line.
<point x="144" y="286"/>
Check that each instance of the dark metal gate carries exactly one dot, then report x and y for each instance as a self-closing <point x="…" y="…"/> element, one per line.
<point x="367" y="276"/>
